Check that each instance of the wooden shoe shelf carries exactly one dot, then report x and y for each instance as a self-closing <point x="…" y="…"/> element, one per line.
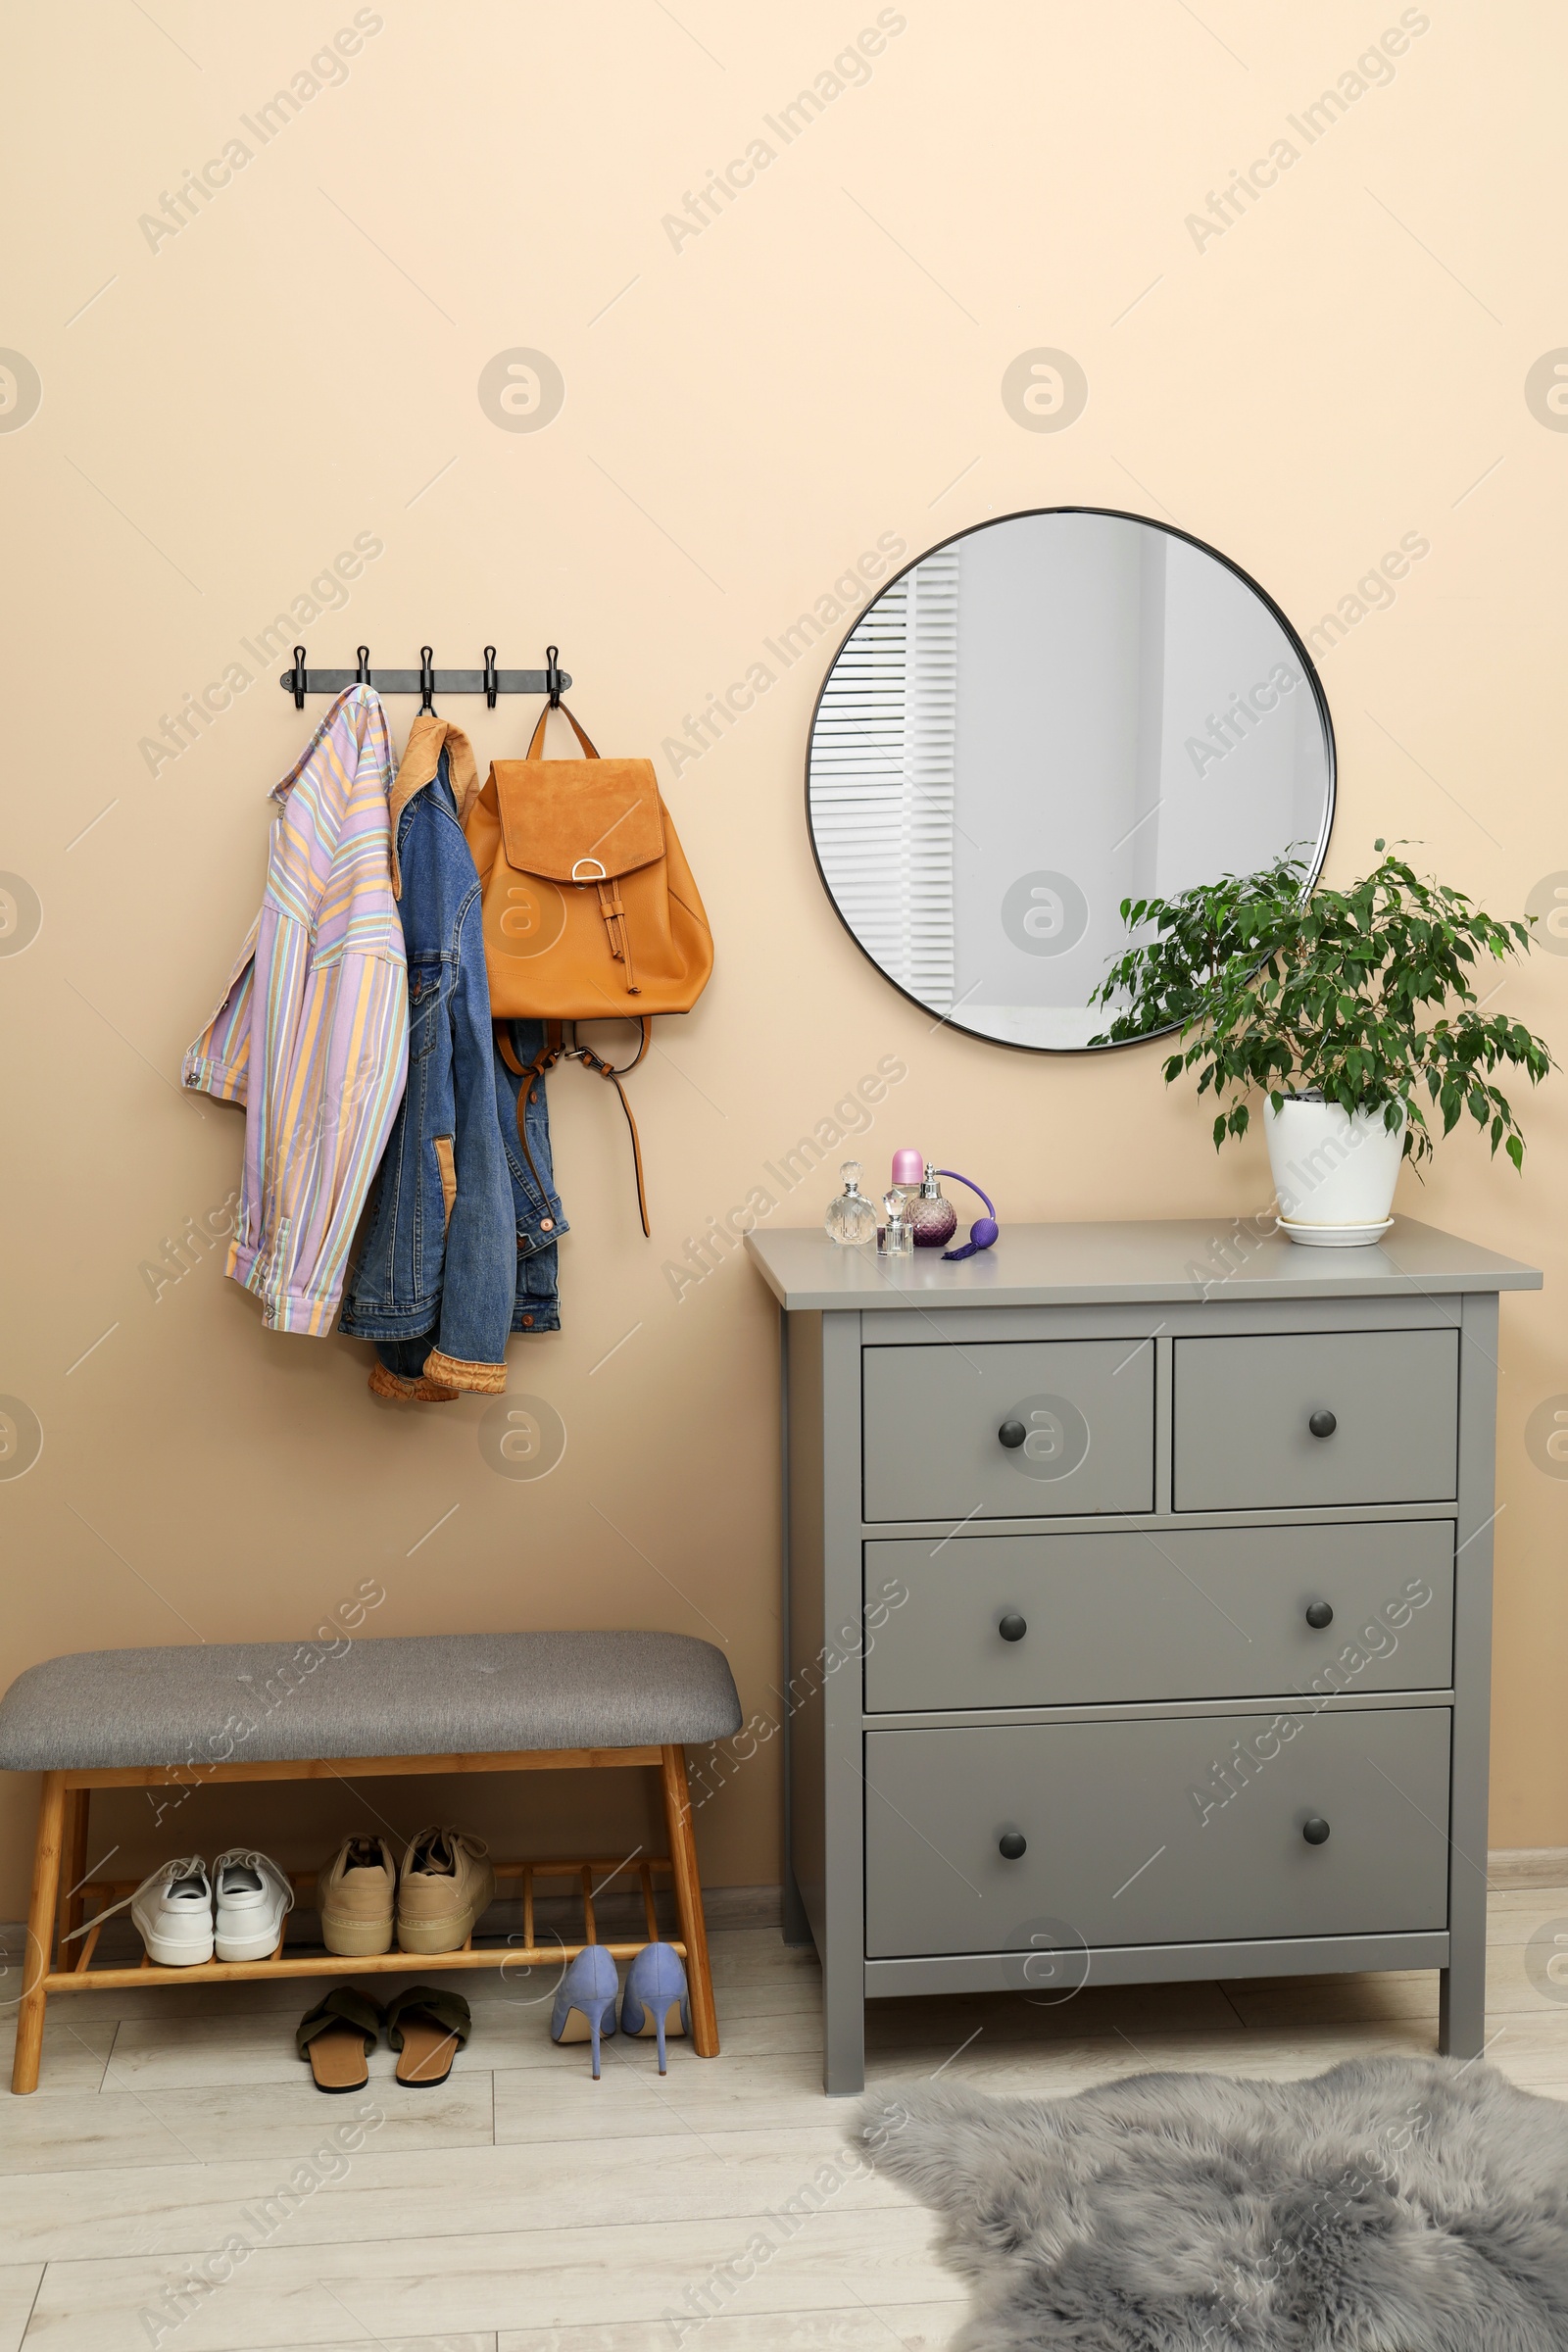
<point x="523" y="1952"/>
<point x="63" y="1894"/>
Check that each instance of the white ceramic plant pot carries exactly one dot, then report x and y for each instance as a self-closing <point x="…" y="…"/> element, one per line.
<point x="1334" y="1171"/>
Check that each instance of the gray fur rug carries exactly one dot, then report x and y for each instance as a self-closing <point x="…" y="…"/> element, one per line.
<point x="1390" y="2205"/>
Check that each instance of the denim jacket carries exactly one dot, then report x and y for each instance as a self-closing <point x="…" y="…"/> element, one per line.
<point x="535" y="1202"/>
<point x="449" y="1268"/>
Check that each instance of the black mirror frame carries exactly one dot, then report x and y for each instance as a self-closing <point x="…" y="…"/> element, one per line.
<point x="1022" y="514"/>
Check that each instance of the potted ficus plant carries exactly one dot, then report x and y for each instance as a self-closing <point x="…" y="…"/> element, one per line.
<point x="1355" y="1014"/>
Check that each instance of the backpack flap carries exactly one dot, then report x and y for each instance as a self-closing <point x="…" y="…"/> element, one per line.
<point x="583" y="869"/>
<point x="579" y="820"/>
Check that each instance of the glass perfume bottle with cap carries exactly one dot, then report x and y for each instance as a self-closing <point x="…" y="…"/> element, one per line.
<point x="897" y="1236"/>
<point x="852" y="1217"/>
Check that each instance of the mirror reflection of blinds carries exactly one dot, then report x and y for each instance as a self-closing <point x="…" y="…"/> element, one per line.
<point x="882" y="779"/>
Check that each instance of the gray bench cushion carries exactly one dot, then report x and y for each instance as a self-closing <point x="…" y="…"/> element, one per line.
<point x="420" y="1695"/>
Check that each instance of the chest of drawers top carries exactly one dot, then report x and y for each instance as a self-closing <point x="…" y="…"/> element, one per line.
<point x="1176" y="1261"/>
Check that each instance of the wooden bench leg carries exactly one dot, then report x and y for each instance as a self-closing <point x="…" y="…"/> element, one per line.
<point x="38" y="1953"/>
<point x="689" y="1901"/>
<point x="73" y="1863"/>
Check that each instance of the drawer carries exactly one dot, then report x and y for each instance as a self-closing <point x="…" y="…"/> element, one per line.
<point x="1156" y="1832"/>
<point x="1082" y="1414"/>
<point x="1244" y="1410"/>
<point x="1212" y="1613"/>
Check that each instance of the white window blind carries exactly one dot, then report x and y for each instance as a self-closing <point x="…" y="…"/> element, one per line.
<point x="882" y="779"/>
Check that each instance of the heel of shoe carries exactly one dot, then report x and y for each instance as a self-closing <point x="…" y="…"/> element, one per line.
<point x="248" y="1947"/>
<point x="655" y="1991"/>
<point x="682" y="2009"/>
<point x="593" y="2009"/>
<point x="357" y="1939"/>
<point x="166" y="1951"/>
<point x="587" y="1992"/>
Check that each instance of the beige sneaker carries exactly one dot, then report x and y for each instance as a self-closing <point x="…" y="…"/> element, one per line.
<point x="356" y="1890"/>
<point x="444" y="1886"/>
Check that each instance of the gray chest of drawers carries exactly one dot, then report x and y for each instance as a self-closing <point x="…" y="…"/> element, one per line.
<point x="1138" y="1615"/>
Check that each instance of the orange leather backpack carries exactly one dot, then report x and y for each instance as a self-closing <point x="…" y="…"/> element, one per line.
<point x="590" y="911"/>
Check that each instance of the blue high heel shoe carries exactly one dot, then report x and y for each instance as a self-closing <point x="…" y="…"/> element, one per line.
<point x="585" y="2000"/>
<point x="655" y="1993"/>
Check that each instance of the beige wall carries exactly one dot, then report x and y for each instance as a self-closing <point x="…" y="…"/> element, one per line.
<point x="746" y="410"/>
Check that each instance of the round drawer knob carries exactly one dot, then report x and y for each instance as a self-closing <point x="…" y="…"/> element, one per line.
<point x="1012" y="1846"/>
<point x="1012" y="1627"/>
<point x="1319" y="1613"/>
<point x="1315" y="1830"/>
<point x="1013" y="1433"/>
<point x="1323" y="1423"/>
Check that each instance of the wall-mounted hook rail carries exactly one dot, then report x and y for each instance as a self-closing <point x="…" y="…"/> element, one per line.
<point x="425" y="681"/>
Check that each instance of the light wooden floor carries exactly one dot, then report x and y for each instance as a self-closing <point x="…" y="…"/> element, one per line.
<point x="523" y="2208"/>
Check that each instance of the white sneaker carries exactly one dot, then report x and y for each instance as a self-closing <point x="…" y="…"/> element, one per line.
<point x="252" y="1899"/>
<point x="172" y="1909"/>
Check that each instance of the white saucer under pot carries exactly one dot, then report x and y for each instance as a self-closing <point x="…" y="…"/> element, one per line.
<point x="1334" y="1171"/>
<point x="1334" y="1236"/>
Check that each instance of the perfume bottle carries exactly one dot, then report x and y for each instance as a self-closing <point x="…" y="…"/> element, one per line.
<point x="909" y="1172"/>
<point x="852" y="1217"/>
<point x="930" y="1214"/>
<point x="897" y="1236"/>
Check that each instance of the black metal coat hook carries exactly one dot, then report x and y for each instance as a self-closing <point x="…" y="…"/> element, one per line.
<point x="552" y="680"/>
<point x="297" y="679"/>
<point x="361" y="676"/>
<point x="490" y="677"/>
<point x="426" y="681"/>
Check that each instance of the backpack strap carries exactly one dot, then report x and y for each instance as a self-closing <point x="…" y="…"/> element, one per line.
<point x="536" y="745"/>
<point x="612" y="907"/>
<point x="555" y="1050"/>
<point x="549" y="1054"/>
<point x="604" y="1069"/>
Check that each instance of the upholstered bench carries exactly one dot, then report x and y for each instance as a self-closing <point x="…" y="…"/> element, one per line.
<point x="200" y="1715"/>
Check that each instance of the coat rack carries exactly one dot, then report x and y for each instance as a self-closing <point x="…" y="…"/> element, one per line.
<point x="426" y="681"/>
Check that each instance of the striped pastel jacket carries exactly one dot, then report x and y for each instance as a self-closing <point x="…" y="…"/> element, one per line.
<point x="312" y="1032"/>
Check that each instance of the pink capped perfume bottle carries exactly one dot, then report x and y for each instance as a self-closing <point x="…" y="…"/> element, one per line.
<point x="931" y="1215"/>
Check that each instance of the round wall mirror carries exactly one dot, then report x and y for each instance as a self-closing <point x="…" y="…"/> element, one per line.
<point x="1044" y="716"/>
